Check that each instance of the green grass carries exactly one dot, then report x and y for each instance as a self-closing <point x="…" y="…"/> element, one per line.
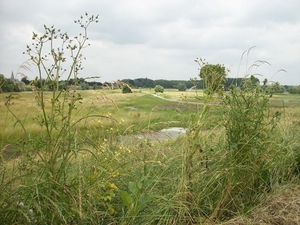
<point x="139" y="181"/>
<point x="138" y="110"/>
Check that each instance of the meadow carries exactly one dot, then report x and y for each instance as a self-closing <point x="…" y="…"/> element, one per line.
<point x="63" y="162"/>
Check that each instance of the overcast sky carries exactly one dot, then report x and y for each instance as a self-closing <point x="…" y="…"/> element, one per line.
<point x="159" y="39"/>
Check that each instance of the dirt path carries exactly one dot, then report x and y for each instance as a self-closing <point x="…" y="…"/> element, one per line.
<point x="182" y="101"/>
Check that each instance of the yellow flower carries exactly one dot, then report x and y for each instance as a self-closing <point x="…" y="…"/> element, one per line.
<point x="115" y="174"/>
<point x="111" y="210"/>
<point x="113" y="186"/>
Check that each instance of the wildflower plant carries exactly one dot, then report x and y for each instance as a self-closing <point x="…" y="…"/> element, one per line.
<point x="243" y="150"/>
<point x="52" y="170"/>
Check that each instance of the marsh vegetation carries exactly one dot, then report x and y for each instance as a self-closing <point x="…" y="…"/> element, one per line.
<point x="63" y="160"/>
<point x="200" y="177"/>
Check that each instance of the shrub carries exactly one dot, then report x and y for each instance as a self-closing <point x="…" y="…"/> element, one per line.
<point x="275" y="88"/>
<point x="294" y="89"/>
<point x="181" y="87"/>
<point x="159" y="88"/>
<point x="126" y="89"/>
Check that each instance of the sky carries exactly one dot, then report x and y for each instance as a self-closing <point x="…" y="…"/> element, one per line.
<point x="160" y="39"/>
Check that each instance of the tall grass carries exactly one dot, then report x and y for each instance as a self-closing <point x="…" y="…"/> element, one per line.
<point x="74" y="168"/>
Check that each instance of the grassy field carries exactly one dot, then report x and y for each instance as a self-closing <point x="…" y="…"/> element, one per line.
<point x="231" y="167"/>
<point x="139" y="111"/>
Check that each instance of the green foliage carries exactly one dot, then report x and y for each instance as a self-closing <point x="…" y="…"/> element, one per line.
<point x="212" y="75"/>
<point x="294" y="89"/>
<point x="25" y="80"/>
<point x="78" y="165"/>
<point x="249" y="125"/>
<point x="275" y="88"/>
<point x="137" y="198"/>
<point x="230" y="180"/>
<point x="7" y="85"/>
<point x="148" y="83"/>
<point x="238" y="82"/>
<point x="126" y="89"/>
<point x="46" y="188"/>
<point x="181" y="87"/>
<point x="159" y="88"/>
<point x="84" y="86"/>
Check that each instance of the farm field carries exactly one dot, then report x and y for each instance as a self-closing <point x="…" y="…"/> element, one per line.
<point x="238" y="161"/>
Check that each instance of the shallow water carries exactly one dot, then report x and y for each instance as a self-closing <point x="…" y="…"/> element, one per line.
<point x="164" y="134"/>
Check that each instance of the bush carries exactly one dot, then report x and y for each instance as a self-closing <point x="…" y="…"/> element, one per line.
<point x="159" y="88"/>
<point x="294" y="89"/>
<point x="181" y="87"/>
<point x="275" y="88"/>
<point x="126" y="89"/>
<point x="84" y="86"/>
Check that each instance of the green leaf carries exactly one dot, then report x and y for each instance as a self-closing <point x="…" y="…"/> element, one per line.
<point x="138" y="173"/>
<point x="132" y="188"/>
<point x="139" y="185"/>
<point x="127" y="199"/>
<point x="145" y="199"/>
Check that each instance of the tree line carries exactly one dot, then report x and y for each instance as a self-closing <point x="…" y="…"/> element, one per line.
<point x="212" y="77"/>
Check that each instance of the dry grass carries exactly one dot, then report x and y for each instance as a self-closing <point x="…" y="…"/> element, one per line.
<point x="280" y="208"/>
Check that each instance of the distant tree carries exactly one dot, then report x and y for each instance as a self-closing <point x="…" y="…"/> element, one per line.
<point x="84" y="86"/>
<point x="159" y="88"/>
<point x="129" y="81"/>
<point x="254" y="80"/>
<point x="62" y="85"/>
<point x="275" y="88"/>
<point x="294" y="89"/>
<point x="142" y="82"/>
<point x="166" y="83"/>
<point x="181" y="87"/>
<point x="213" y="76"/>
<point x="96" y="86"/>
<point x="25" y="80"/>
<point x="7" y="85"/>
<point x="238" y="82"/>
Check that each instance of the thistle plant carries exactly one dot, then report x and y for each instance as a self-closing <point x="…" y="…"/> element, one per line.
<point x="51" y="153"/>
<point x="57" y="115"/>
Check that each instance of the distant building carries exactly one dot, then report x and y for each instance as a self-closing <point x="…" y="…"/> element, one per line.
<point x="12" y="77"/>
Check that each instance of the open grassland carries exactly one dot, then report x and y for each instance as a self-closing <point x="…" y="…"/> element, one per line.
<point x="86" y="175"/>
<point x="138" y="111"/>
